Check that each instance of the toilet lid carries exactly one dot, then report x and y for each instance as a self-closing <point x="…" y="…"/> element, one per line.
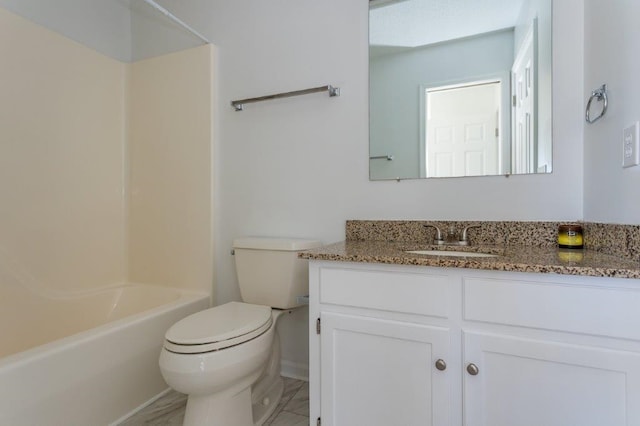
<point x="218" y="328"/>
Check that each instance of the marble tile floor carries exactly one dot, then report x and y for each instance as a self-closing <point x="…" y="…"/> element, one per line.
<point x="293" y="409"/>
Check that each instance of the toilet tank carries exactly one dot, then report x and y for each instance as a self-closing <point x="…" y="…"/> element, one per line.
<point x="270" y="272"/>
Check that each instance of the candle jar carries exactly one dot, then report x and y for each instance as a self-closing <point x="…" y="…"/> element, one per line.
<point x="570" y="237"/>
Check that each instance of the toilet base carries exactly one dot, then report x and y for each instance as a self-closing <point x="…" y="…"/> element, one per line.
<point x="250" y="407"/>
<point x="234" y="411"/>
<point x="270" y="399"/>
<point x="219" y="410"/>
<point x="268" y="389"/>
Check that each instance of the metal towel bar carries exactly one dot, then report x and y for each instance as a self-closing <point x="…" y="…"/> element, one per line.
<point x="599" y="95"/>
<point x="382" y="157"/>
<point x="333" y="91"/>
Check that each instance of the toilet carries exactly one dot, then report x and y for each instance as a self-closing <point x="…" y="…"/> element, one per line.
<point x="227" y="358"/>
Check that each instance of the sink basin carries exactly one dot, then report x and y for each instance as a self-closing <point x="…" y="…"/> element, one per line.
<point x="451" y="253"/>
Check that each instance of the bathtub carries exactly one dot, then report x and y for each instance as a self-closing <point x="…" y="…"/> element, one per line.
<point x="87" y="358"/>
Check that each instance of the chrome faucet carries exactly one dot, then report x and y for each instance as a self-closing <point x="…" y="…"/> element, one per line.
<point x="438" y="240"/>
<point x="453" y="237"/>
<point x="464" y="240"/>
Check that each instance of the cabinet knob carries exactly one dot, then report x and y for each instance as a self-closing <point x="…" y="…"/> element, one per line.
<point x="441" y="365"/>
<point x="472" y="369"/>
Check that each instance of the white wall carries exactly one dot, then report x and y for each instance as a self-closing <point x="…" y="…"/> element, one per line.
<point x="612" y="37"/>
<point x="299" y="167"/>
<point x="396" y="80"/>
<point x="126" y="30"/>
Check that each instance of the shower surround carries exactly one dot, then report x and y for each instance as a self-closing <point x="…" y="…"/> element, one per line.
<point x="106" y="182"/>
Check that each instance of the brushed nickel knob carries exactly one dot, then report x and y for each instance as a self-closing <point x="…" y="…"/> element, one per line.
<point x="441" y="365"/>
<point x="472" y="369"/>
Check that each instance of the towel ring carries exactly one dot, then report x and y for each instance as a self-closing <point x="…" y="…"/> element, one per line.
<point x="599" y="95"/>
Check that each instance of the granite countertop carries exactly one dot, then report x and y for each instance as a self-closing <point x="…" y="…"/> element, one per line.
<point x="516" y="258"/>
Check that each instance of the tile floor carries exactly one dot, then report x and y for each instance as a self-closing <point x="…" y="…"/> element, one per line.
<point x="293" y="409"/>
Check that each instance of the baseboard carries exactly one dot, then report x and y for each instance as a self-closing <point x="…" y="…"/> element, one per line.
<point x="294" y="370"/>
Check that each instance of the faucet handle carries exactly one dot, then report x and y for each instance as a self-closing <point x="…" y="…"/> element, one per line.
<point x="438" y="239"/>
<point x="464" y="233"/>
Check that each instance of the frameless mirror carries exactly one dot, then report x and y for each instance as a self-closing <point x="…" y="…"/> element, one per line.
<point x="459" y="88"/>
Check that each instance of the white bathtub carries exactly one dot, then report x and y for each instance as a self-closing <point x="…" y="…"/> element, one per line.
<point x="84" y="359"/>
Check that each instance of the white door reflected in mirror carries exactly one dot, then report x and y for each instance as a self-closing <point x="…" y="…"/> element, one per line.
<point x="462" y="130"/>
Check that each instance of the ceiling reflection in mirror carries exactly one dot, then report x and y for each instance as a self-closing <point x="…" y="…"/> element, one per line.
<point x="459" y="88"/>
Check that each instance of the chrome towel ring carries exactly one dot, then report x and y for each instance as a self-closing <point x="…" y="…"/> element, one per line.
<point x="599" y="95"/>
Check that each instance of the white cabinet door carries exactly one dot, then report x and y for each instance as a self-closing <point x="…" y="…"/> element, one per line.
<point x="522" y="382"/>
<point x="379" y="372"/>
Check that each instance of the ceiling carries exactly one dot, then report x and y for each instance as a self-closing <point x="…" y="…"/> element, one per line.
<point x="411" y="23"/>
<point x="126" y="30"/>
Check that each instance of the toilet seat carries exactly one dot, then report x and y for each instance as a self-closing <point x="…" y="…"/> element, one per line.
<point x="218" y="328"/>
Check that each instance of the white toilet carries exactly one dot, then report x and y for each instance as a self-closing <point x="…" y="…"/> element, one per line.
<point x="227" y="358"/>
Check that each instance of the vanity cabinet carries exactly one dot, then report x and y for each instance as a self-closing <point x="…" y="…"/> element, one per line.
<point x="380" y="372"/>
<point x="379" y="360"/>
<point x="408" y="345"/>
<point x="536" y="382"/>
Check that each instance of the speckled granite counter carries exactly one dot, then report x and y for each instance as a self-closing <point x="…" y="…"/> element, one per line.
<point x="516" y="256"/>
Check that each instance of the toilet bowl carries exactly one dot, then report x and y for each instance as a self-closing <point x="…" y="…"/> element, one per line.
<point x="218" y="369"/>
<point x="227" y="358"/>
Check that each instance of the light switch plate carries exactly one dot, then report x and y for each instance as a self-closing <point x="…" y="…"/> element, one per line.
<point x="631" y="145"/>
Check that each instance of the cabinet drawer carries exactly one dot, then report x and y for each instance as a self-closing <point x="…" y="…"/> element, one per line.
<point x="573" y="308"/>
<point x="405" y="292"/>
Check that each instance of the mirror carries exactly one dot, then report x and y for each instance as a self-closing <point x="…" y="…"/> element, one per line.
<point x="459" y="88"/>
